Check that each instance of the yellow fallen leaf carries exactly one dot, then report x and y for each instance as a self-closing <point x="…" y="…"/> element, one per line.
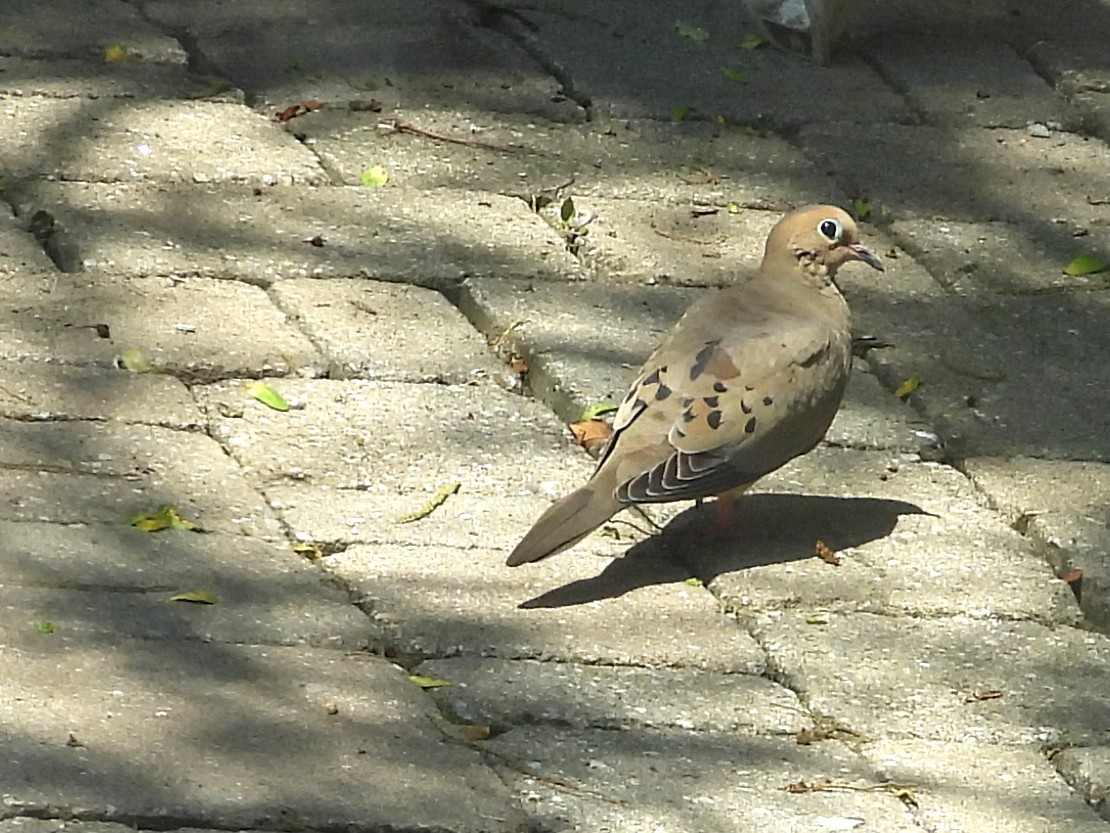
<point x="200" y="597"/>
<point x="752" y="41"/>
<point x="427" y="682"/>
<point x="431" y="505"/>
<point x="473" y="731"/>
<point x="907" y="387"/>
<point x="164" y="517"/>
<point x="116" y="54"/>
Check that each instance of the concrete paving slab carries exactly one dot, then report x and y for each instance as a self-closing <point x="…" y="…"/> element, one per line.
<point x="121" y="140"/>
<point x="181" y="325"/>
<point x="1087" y="770"/>
<point x="1077" y="67"/>
<point x="390" y="332"/>
<point x="262" y="236"/>
<point x="66" y="78"/>
<point x="602" y="697"/>
<point x="912" y="538"/>
<point x="938" y="679"/>
<point x="678" y="163"/>
<point x="584" y="347"/>
<point x="970" y="83"/>
<point x="333" y="519"/>
<point x="87" y="472"/>
<point x="108" y="579"/>
<point x="990" y="368"/>
<point x="433" y="51"/>
<point x="979" y="259"/>
<point x="254" y="618"/>
<point x="47" y="392"/>
<point x="972" y="787"/>
<point x="389" y="438"/>
<point x="623" y="56"/>
<point x="970" y="175"/>
<point x="644" y="242"/>
<point x="648" y="780"/>
<point x="36" y="30"/>
<point x="189" y="734"/>
<point x="1060" y="506"/>
<point x="575" y="609"/>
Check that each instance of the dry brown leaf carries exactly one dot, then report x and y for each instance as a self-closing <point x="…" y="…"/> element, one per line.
<point x="589" y="433"/>
<point x="826" y="554"/>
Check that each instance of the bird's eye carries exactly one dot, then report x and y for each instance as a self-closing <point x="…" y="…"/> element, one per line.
<point x="829" y="229"/>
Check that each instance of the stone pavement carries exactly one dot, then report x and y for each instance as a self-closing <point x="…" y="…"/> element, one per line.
<point x="943" y="677"/>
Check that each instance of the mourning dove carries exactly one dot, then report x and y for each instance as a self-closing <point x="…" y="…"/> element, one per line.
<point x="748" y="379"/>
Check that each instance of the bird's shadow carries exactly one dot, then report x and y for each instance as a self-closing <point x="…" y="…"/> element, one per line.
<point x="767" y="529"/>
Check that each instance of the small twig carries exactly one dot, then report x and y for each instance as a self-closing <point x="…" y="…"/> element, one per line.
<point x="497" y="342"/>
<point x="434" y="502"/>
<point x="24" y="399"/>
<point x="404" y="127"/>
<point x="902" y="792"/>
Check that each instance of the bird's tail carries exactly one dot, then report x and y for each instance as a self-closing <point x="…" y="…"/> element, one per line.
<point x="565" y="523"/>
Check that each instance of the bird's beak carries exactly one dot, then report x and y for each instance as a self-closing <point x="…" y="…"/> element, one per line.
<point x="866" y="256"/>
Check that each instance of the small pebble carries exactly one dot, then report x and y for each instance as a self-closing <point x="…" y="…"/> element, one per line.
<point x="1039" y="131"/>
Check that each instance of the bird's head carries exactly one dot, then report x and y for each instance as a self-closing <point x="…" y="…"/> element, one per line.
<point x="819" y="238"/>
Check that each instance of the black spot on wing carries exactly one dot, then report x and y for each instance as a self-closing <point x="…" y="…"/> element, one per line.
<point x="749" y="426"/>
<point x="767" y="400"/>
<point x="702" y="359"/>
<point x="745" y="407"/>
<point x="720" y="387"/>
<point x="662" y="392"/>
<point x="652" y="378"/>
<point x="714" y="419"/>
<point x="711" y="401"/>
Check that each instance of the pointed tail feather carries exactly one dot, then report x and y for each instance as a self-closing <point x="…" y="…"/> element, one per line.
<point x="565" y="523"/>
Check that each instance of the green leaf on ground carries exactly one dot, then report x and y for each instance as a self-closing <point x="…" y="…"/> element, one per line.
<point x="44" y="627"/>
<point x="862" y="208"/>
<point x="750" y="40"/>
<point x="375" y="177"/>
<point x="734" y="75"/>
<point x="598" y="409"/>
<point x="694" y="581"/>
<point x="1085" y="265"/>
<point x="200" y="597"/>
<point x="566" y="210"/>
<point x="680" y="112"/>
<point x="267" y="396"/>
<point x="694" y="33"/>
<point x="135" y="361"/>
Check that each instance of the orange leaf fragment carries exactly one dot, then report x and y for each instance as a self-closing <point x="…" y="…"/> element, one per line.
<point x="589" y="433"/>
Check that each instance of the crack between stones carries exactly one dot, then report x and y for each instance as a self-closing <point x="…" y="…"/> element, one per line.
<point x="163" y="824"/>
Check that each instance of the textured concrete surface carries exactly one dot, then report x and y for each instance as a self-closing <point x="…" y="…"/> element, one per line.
<point x="942" y="666"/>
